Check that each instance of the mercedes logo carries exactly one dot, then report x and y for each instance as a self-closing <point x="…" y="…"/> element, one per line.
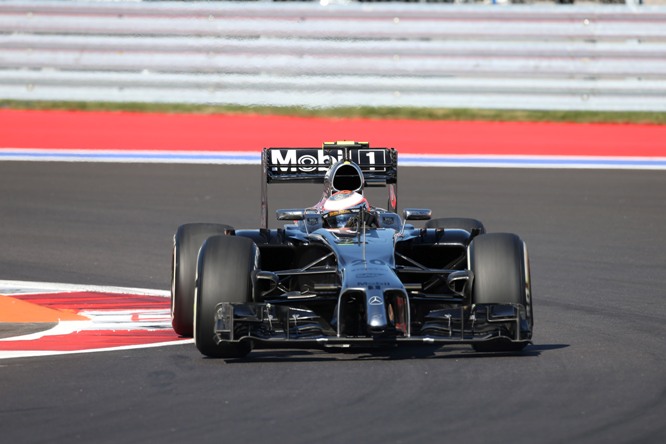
<point x="376" y="300"/>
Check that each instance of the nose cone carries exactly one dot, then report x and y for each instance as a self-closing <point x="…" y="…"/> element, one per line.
<point x="376" y="313"/>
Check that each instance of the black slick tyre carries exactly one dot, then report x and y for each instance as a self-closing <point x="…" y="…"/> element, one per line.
<point x="187" y="241"/>
<point x="501" y="276"/>
<point x="461" y="223"/>
<point x="224" y="272"/>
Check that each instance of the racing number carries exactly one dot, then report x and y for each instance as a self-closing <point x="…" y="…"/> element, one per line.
<point x="359" y="262"/>
<point x="369" y="157"/>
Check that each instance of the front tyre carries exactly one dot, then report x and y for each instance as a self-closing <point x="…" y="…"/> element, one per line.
<point x="224" y="273"/>
<point x="501" y="276"/>
<point x="186" y="244"/>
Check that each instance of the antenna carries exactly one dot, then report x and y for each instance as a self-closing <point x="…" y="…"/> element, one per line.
<point x="362" y="222"/>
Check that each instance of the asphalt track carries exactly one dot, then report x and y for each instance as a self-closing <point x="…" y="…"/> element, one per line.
<point x="596" y="371"/>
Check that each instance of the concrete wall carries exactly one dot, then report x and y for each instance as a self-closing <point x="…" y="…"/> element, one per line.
<point x="545" y="56"/>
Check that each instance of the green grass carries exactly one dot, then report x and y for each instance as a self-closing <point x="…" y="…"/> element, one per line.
<point x="359" y="112"/>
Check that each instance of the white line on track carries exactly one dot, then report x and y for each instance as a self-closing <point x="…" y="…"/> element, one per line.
<point x="26" y="287"/>
<point x="37" y="353"/>
<point x="415" y="160"/>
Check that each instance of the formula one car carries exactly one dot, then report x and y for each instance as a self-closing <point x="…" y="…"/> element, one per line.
<point x="343" y="273"/>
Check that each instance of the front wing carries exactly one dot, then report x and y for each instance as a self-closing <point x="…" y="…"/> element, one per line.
<point x="269" y="325"/>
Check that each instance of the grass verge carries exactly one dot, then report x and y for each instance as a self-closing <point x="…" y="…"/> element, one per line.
<point x="356" y="112"/>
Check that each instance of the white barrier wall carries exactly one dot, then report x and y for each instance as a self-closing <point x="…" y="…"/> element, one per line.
<point x="553" y="57"/>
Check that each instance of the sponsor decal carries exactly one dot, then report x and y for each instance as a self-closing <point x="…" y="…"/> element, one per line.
<point x="375" y="300"/>
<point x="302" y="160"/>
<point x="310" y="160"/>
<point x="368" y="275"/>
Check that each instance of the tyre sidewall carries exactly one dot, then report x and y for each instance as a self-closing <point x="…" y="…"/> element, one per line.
<point x="501" y="276"/>
<point x="187" y="242"/>
<point x="498" y="263"/>
<point x="224" y="270"/>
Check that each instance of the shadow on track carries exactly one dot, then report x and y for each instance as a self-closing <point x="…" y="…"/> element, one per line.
<point x="395" y="354"/>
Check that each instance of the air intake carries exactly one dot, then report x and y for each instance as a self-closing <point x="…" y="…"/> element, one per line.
<point x="347" y="176"/>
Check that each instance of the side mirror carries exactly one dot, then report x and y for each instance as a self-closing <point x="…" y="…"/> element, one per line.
<point x="416" y="214"/>
<point x="291" y="214"/>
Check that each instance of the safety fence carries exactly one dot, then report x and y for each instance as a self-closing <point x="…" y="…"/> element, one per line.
<point x="556" y="57"/>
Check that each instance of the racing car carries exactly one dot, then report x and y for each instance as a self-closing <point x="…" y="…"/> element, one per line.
<point x="343" y="274"/>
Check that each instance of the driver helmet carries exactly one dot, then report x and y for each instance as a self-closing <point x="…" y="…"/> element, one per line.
<point x="339" y="208"/>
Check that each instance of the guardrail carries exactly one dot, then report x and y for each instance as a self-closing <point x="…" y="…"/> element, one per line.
<point x="284" y="54"/>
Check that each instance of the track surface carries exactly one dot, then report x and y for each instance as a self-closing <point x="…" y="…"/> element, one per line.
<point x="596" y="373"/>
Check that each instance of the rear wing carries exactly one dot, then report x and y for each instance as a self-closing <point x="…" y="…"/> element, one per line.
<point x="309" y="165"/>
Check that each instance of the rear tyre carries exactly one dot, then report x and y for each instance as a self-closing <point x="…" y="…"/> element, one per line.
<point x="501" y="276"/>
<point x="223" y="275"/>
<point x="461" y="223"/>
<point x="186" y="244"/>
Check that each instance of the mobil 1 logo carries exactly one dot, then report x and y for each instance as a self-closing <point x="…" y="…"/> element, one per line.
<point x="310" y="160"/>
